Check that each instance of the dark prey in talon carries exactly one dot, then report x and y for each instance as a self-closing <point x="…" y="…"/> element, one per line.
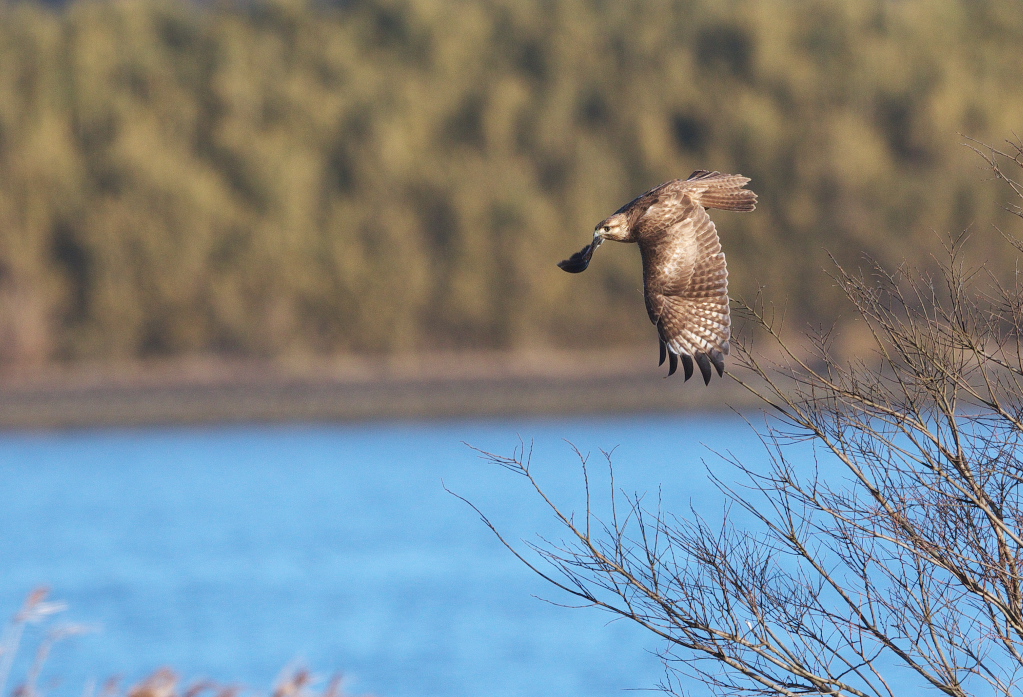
<point x="578" y="262"/>
<point x="685" y="280"/>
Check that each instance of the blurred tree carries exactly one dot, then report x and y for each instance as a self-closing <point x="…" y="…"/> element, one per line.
<point x="286" y="178"/>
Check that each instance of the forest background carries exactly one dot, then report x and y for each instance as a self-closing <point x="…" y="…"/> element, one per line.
<point x="287" y="180"/>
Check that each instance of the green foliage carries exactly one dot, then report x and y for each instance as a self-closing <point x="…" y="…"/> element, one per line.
<point x="290" y="179"/>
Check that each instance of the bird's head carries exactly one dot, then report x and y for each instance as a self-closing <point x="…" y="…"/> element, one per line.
<point x="614" y="228"/>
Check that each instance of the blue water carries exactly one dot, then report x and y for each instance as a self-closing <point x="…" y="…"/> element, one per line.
<point x="230" y="553"/>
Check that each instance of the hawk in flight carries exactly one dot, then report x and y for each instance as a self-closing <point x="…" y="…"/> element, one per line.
<point x="685" y="280"/>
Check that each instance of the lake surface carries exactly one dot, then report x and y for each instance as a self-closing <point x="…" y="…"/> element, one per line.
<point x="231" y="553"/>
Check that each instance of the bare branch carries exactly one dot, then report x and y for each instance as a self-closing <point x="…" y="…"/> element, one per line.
<point x="912" y="559"/>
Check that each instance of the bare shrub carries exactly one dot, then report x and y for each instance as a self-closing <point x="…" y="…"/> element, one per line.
<point x="164" y="682"/>
<point x="901" y="565"/>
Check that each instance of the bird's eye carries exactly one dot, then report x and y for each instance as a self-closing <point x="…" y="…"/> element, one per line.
<point x="607" y="228"/>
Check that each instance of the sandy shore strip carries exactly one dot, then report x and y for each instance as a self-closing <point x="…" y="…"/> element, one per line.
<point x="208" y="391"/>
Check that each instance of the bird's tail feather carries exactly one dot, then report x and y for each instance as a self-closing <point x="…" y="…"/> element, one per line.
<point x="722" y="191"/>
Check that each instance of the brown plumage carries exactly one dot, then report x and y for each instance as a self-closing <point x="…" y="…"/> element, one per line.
<point x="685" y="280"/>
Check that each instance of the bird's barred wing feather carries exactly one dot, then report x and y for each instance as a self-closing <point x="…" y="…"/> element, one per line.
<point x="717" y="190"/>
<point x="686" y="282"/>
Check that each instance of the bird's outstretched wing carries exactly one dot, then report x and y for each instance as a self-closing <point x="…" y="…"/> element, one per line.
<point x="685" y="281"/>
<point x="716" y="190"/>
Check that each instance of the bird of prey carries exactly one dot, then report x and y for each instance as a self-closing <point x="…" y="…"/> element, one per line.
<point x="685" y="280"/>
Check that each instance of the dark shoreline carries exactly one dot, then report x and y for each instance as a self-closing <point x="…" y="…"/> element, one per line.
<point x="210" y="391"/>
